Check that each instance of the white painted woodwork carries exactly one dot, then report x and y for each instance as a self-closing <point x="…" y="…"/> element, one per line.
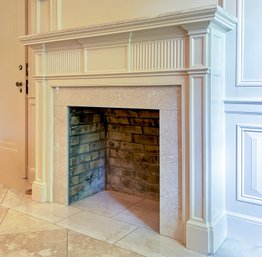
<point x="243" y="144"/>
<point x="140" y="51"/>
<point x="12" y="102"/>
<point x="249" y="58"/>
<point x="31" y="139"/>
<point x="249" y="164"/>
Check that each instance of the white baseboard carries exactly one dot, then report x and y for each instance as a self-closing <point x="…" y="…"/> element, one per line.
<point x="39" y="192"/>
<point x="206" y="238"/>
<point x="244" y="228"/>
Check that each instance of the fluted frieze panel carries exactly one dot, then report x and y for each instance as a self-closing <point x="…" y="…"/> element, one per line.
<point x="63" y="62"/>
<point x="158" y="55"/>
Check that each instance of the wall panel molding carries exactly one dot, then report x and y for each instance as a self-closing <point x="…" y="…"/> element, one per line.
<point x="249" y="164"/>
<point x="248" y="18"/>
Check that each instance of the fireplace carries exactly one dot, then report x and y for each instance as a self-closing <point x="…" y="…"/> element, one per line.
<point x="114" y="149"/>
<point x="171" y="63"/>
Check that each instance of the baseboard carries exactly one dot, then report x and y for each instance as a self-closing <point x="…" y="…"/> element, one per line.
<point x="206" y="238"/>
<point x="39" y="192"/>
<point x="244" y="228"/>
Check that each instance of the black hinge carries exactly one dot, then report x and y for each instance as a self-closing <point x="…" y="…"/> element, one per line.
<point x="26" y="77"/>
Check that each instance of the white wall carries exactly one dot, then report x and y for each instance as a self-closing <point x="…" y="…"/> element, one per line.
<point x="243" y="107"/>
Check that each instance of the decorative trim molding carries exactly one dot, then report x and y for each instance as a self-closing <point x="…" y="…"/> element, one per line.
<point x="203" y="15"/>
<point x="63" y="62"/>
<point x="158" y="55"/>
<point x="243" y="106"/>
<point x="241" y="81"/>
<point x="249" y="164"/>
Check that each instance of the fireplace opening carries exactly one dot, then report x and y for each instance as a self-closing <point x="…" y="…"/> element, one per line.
<point x="113" y="149"/>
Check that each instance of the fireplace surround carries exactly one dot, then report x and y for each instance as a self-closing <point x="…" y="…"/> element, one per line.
<point x="173" y="63"/>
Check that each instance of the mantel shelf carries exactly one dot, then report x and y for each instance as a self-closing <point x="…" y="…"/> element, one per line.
<point x="191" y="19"/>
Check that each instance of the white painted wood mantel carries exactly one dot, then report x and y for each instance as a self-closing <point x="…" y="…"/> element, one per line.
<point x="181" y="49"/>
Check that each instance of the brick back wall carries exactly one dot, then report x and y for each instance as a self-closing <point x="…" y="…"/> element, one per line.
<point x="116" y="149"/>
<point x="133" y="151"/>
<point x="87" y="146"/>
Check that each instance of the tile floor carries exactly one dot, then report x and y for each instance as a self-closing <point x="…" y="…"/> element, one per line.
<point x="108" y="224"/>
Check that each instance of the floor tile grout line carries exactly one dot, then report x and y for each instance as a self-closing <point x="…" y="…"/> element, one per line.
<point x="127" y="208"/>
<point x="4" y="217"/>
<point x="5" y="195"/>
<point x="79" y="211"/>
<point x="126" y="235"/>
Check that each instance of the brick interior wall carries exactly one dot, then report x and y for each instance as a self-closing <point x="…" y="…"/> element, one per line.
<point x="116" y="149"/>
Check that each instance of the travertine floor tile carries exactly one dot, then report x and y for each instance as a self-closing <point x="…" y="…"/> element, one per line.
<point x="48" y="211"/>
<point x="3" y="192"/>
<point x="83" y="246"/>
<point x="144" y="214"/>
<point x="36" y="244"/>
<point x="99" y="227"/>
<point x="3" y="212"/>
<point x="233" y="248"/>
<point x="16" y="222"/>
<point x="151" y="244"/>
<point x="107" y="203"/>
<point x="13" y="198"/>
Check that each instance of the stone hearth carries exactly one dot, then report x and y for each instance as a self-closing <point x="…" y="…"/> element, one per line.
<point x="173" y="63"/>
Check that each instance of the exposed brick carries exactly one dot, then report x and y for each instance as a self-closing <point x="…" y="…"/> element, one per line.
<point x="127" y="164"/>
<point x="148" y="114"/>
<point x="97" y="145"/>
<point x="113" y="162"/>
<point x="74" y="140"/>
<point x="113" y="144"/>
<point x="97" y="163"/>
<point x="149" y="157"/>
<point x="145" y="139"/>
<point x="130" y="129"/>
<point x="125" y="155"/>
<point x="132" y="147"/>
<point x="111" y="119"/>
<point x="152" y="148"/>
<point x="119" y="136"/>
<point x="112" y="127"/>
<point x="144" y="122"/>
<point x="151" y="131"/>
<point x="88" y="138"/>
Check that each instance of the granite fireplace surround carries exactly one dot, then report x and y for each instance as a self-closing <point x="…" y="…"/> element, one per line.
<point x="173" y="63"/>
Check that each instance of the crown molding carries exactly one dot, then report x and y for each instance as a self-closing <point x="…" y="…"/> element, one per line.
<point x="197" y="18"/>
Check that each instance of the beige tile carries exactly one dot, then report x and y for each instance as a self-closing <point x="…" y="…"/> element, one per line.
<point x="51" y="212"/>
<point x="152" y="244"/>
<point x="16" y="222"/>
<point x="13" y="198"/>
<point x="34" y="244"/>
<point x="107" y="203"/>
<point x="98" y="227"/>
<point x="80" y="246"/>
<point x="144" y="214"/>
<point x="3" y="212"/>
<point x="3" y="192"/>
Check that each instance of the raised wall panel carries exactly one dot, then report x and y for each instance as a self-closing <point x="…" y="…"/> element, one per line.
<point x="249" y="164"/>
<point x="157" y="55"/>
<point x="249" y="54"/>
<point x="63" y="62"/>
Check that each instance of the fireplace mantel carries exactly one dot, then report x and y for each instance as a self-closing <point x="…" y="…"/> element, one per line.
<point x="145" y="62"/>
